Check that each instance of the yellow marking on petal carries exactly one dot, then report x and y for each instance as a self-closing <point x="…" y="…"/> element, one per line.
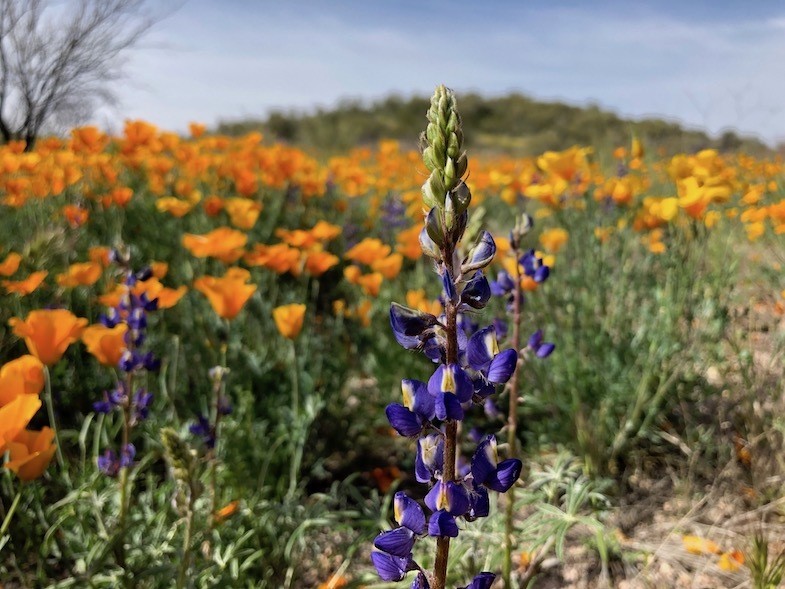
<point x="448" y="380"/>
<point x="408" y="395"/>
<point x="491" y="344"/>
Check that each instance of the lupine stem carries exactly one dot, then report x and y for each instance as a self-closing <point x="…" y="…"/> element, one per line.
<point x="126" y="435"/>
<point x="9" y="516"/>
<point x="451" y="437"/>
<point x="512" y="423"/>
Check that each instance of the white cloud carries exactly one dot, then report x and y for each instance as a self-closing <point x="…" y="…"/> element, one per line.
<point x="223" y="63"/>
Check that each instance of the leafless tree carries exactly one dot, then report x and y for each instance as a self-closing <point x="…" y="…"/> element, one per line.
<point x="59" y="60"/>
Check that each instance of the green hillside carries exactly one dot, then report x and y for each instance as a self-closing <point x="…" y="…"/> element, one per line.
<point x="514" y="124"/>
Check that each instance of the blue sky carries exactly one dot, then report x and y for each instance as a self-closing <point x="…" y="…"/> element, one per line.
<point x="713" y="65"/>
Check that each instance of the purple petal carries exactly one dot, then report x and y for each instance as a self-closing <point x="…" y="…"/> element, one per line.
<point x="477" y="292"/>
<point x="442" y="523"/>
<point x="447" y="406"/>
<point x="451" y="497"/>
<point x="481" y="349"/>
<point x="398" y="542"/>
<point x="481" y="254"/>
<point x="430" y="457"/>
<point x="408" y="513"/>
<point x="545" y="350"/>
<point x="390" y="568"/>
<point x="535" y="339"/>
<point x="482" y="581"/>
<point x="448" y="286"/>
<point x="420" y="582"/>
<point x="484" y="461"/>
<point x="505" y="476"/>
<point x="405" y="422"/>
<point x="421" y="402"/>
<point x="502" y="366"/>
<point x="479" y="503"/>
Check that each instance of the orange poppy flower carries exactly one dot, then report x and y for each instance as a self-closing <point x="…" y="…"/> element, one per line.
<point x="31" y="452"/>
<point x="228" y="294"/>
<point x="107" y="344"/>
<point x="279" y="258"/>
<point x="334" y="582"/>
<point x="82" y="274"/>
<point x="10" y="264"/>
<point x="554" y="239"/>
<point x="23" y="376"/>
<point x="371" y="283"/>
<point x="388" y="267"/>
<point x="296" y="237"/>
<point x="318" y="262"/>
<point x="243" y="212"/>
<point x="174" y="206"/>
<point x="112" y="297"/>
<point x="100" y="255"/>
<point x="409" y="242"/>
<point x="352" y="273"/>
<point x="196" y="129"/>
<point x="48" y="333"/>
<point x="88" y="140"/>
<point x="121" y="196"/>
<point x="16" y="415"/>
<point x="324" y="231"/>
<point x="289" y="319"/>
<point x="26" y="286"/>
<point x="159" y="269"/>
<point x="213" y="205"/>
<point x="167" y="297"/>
<point x="226" y="511"/>
<point x="368" y="251"/>
<point x="223" y="243"/>
<point x="75" y="215"/>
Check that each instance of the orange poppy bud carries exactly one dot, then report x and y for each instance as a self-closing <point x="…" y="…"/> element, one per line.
<point x="289" y="319"/>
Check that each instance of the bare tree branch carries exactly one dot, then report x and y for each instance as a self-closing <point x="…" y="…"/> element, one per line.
<point x="57" y="61"/>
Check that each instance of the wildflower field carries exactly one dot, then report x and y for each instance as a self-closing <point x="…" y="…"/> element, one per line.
<point x="228" y="362"/>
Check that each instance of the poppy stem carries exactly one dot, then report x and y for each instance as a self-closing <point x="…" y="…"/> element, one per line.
<point x="9" y="516"/>
<point x="218" y="392"/>
<point x="301" y="427"/>
<point x="295" y="381"/>
<point x="50" y="409"/>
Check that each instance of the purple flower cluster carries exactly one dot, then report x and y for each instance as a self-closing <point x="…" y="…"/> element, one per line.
<point x="464" y="377"/>
<point x="133" y="402"/>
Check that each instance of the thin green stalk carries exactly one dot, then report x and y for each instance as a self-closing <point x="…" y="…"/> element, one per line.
<point x="10" y="514"/>
<point x="218" y="392"/>
<point x="50" y="409"/>
<point x="295" y="380"/>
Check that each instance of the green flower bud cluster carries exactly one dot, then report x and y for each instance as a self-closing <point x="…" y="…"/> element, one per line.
<point x="182" y="460"/>
<point x="443" y="155"/>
